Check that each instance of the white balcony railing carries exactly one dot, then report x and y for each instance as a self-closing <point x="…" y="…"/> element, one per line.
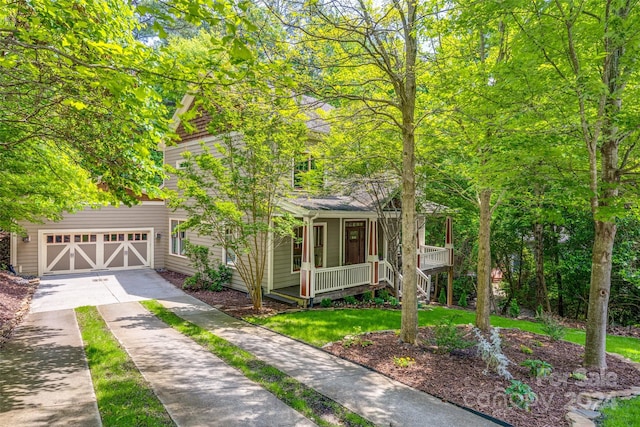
<point x="433" y="256"/>
<point x="336" y="278"/>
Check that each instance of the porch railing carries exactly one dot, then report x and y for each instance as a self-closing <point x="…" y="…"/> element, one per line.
<point x="433" y="256"/>
<point x="335" y="278"/>
<point x="386" y="273"/>
<point x="424" y="281"/>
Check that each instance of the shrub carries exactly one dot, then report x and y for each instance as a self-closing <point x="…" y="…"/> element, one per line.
<point x="520" y="395"/>
<point x="205" y="277"/>
<point x="552" y="327"/>
<point x="539" y="311"/>
<point x="514" y="308"/>
<point x="326" y="302"/>
<point x="378" y="301"/>
<point x="367" y="296"/>
<point x="219" y="277"/>
<point x="403" y="362"/>
<point x="356" y="338"/>
<point x="442" y="299"/>
<point x="193" y="282"/>
<point x="384" y="294"/>
<point x="449" y="337"/>
<point x="350" y="299"/>
<point x="491" y="353"/>
<point x="462" y="302"/>
<point x="526" y="350"/>
<point x="394" y="301"/>
<point x="537" y="368"/>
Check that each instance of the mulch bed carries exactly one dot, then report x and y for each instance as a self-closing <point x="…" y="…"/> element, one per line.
<point x="459" y="378"/>
<point x="15" y="296"/>
<point x="232" y="302"/>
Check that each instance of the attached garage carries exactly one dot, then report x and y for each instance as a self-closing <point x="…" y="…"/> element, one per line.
<point x="76" y="251"/>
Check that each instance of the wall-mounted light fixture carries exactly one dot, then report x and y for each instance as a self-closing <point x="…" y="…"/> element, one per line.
<point x="158" y="235"/>
<point x="26" y="239"/>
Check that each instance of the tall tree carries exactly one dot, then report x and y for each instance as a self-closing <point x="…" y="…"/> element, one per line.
<point x="587" y="51"/>
<point x="366" y="57"/>
<point x="79" y="103"/>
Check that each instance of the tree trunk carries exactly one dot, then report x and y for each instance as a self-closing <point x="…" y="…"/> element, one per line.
<point x="542" y="296"/>
<point x="556" y="260"/>
<point x="594" y="355"/>
<point x="406" y="91"/>
<point x="483" y="307"/>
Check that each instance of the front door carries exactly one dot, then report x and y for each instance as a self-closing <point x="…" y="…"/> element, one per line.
<point x="355" y="233"/>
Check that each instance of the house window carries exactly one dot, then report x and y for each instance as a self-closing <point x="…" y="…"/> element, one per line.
<point x="307" y="164"/>
<point x="297" y="249"/>
<point x="177" y="238"/>
<point x="317" y="251"/>
<point x="229" y="254"/>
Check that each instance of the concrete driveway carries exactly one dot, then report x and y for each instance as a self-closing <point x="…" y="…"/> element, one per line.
<point x="100" y="288"/>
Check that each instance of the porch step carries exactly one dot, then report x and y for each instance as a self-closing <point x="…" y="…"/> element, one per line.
<point x="287" y="299"/>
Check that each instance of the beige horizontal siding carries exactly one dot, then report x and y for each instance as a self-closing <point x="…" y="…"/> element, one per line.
<point x="144" y="216"/>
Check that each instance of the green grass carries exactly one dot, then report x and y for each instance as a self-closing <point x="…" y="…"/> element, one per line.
<point x="124" y="397"/>
<point x="621" y="413"/>
<point x="319" y="327"/>
<point x="305" y="400"/>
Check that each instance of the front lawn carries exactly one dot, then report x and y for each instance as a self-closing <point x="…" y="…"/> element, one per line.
<point x="319" y="327"/>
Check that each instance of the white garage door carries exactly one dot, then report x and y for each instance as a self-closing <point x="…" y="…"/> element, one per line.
<point x="92" y="250"/>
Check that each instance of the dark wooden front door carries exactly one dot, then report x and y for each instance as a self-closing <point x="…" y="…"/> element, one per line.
<point x="355" y="234"/>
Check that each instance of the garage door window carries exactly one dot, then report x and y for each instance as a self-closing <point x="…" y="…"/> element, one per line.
<point x="177" y="238"/>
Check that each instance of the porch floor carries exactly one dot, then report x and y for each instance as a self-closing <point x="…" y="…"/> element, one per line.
<point x="293" y="291"/>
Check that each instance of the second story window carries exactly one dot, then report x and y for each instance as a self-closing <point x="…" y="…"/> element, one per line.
<point x="301" y="176"/>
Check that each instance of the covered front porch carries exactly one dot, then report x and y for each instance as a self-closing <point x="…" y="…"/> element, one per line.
<point x="341" y="249"/>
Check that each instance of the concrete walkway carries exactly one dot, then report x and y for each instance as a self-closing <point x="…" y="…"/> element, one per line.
<point x="196" y="388"/>
<point x="376" y="397"/>
<point x="44" y="378"/>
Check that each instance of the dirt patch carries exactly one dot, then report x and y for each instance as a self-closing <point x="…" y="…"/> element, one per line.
<point x="15" y="296"/>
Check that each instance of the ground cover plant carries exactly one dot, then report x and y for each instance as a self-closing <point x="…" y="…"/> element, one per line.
<point x="305" y="400"/>
<point x="441" y="374"/>
<point x="445" y="375"/>
<point x="124" y="397"/>
<point x="317" y="328"/>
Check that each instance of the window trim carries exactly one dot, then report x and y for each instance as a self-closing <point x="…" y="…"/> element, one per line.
<point x="181" y="238"/>
<point x="324" y="246"/>
<point x="226" y="251"/>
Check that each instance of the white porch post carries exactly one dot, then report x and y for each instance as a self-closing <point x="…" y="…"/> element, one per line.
<point x="419" y="237"/>
<point x="307" y="288"/>
<point x="372" y="245"/>
<point x="449" y="246"/>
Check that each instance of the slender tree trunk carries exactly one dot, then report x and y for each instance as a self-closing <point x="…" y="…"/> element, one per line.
<point x="594" y="355"/>
<point x="406" y="91"/>
<point x="542" y="296"/>
<point x="605" y="229"/>
<point x="556" y="260"/>
<point x="483" y="307"/>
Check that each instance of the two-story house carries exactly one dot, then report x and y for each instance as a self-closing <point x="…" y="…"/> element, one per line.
<point x="340" y="248"/>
